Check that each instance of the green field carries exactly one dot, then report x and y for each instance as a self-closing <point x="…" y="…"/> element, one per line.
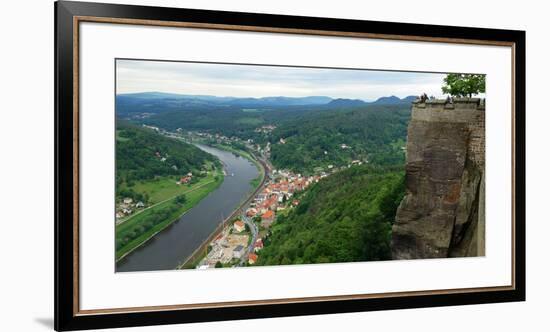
<point x="163" y="188"/>
<point x="250" y="121"/>
<point x="141" y="226"/>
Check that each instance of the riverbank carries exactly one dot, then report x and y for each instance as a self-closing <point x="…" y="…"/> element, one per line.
<point x="168" y="249"/>
<point x="250" y="156"/>
<point x="201" y="252"/>
<point x="171" y="210"/>
<point x="242" y="153"/>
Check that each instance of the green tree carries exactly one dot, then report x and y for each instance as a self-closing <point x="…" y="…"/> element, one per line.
<point x="463" y="85"/>
<point x="218" y="265"/>
<point x="181" y="199"/>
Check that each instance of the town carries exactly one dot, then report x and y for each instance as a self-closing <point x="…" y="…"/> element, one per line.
<point x="126" y="207"/>
<point x="242" y="239"/>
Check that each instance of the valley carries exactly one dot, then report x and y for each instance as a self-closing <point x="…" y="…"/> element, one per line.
<point x="329" y="170"/>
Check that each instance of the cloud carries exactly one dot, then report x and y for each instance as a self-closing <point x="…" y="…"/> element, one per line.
<point x="261" y="81"/>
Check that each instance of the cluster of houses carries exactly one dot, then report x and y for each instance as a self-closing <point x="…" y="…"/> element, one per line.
<point x="233" y="242"/>
<point x="277" y="195"/>
<point x="127" y="206"/>
<point x="230" y="245"/>
<point x="249" y="143"/>
<point x="265" y="129"/>
<point x="240" y="250"/>
<point x="141" y="116"/>
<point x="218" y="138"/>
<point x="157" y="129"/>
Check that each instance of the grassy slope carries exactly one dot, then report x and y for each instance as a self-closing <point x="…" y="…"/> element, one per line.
<point x="193" y="194"/>
<point x="163" y="188"/>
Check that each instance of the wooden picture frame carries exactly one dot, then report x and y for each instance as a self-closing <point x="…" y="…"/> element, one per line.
<point x="69" y="16"/>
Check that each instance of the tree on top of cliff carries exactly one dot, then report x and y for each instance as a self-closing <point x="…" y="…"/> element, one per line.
<point x="464" y="85"/>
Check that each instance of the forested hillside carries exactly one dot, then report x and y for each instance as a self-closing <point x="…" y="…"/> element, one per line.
<point x="313" y="136"/>
<point x="142" y="154"/>
<point x="376" y="134"/>
<point x="225" y="115"/>
<point x="242" y="116"/>
<point x="346" y="217"/>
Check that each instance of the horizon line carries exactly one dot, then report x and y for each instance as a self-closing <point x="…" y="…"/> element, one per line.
<point x="268" y="96"/>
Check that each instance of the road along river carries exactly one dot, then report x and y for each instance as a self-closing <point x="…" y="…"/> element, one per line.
<point x="168" y="249"/>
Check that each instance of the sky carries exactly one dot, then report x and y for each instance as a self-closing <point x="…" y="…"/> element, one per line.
<point x="229" y="80"/>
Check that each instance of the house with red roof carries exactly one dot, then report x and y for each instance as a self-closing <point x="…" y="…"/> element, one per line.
<point x="184" y="179"/>
<point x="238" y="226"/>
<point x="258" y="245"/>
<point x="251" y="212"/>
<point x="267" y="218"/>
<point x="252" y="258"/>
<point x="268" y="215"/>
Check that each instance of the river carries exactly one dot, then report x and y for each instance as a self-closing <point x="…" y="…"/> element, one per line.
<point x="173" y="245"/>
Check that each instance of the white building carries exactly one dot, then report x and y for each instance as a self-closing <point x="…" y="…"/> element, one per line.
<point x="238" y="252"/>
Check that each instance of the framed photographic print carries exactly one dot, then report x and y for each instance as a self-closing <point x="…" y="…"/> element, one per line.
<point x="218" y="165"/>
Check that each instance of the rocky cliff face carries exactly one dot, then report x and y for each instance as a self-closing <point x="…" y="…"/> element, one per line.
<point x="442" y="214"/>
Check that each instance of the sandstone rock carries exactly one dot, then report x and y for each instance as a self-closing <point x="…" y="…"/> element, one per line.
<point x="439" y="216"/>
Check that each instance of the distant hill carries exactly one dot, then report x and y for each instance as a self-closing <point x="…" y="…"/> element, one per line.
<point x="160" y="102"/>
<point x="410" y="99"/>
<point x="341" y="102"/>
<point x="311" y="100"/>
<point x="133" y="102"/>
<point x="393" y="100"/>
<point x="176" y="96"/>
